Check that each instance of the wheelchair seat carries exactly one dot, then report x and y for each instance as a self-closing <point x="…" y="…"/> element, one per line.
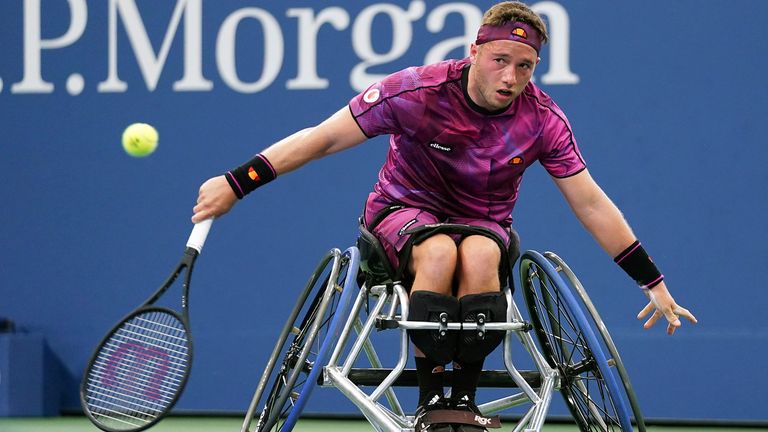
<point x="377" y="269"/>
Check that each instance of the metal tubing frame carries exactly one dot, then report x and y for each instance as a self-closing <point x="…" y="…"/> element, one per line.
<point x="383" y="419"/>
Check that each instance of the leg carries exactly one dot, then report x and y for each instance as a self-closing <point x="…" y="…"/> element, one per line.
<point x="479" y="292"/>
<point x="432" y="265"/>
<point x="479" y="259"/>
<point x="478" y="266"/>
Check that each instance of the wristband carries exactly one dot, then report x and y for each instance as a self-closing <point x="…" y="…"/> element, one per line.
<point x="247" y="177"/>
<point x="639" y="266"/>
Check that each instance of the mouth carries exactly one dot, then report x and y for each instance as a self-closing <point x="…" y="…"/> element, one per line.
<point x="505" y="94"/>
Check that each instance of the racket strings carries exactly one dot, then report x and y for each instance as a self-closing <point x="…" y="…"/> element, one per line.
<point x="139" y="371"/>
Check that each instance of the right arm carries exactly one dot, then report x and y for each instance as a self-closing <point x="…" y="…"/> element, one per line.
<point x="337" y="133"/>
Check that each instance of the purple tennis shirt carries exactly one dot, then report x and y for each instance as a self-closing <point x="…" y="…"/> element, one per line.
<point x="450" y="156"/>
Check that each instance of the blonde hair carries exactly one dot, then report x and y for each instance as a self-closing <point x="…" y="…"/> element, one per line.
<point x="515" y="11"/>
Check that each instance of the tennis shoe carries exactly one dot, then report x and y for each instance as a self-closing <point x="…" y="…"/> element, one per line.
<point x="421" y="423"/>
<point x="465" y="403"/>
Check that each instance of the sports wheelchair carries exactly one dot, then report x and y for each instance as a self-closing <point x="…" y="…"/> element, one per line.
<point x="328" y="340"/>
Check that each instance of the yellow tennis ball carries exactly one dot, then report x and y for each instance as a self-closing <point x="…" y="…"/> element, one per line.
<point x="140" y="139"/>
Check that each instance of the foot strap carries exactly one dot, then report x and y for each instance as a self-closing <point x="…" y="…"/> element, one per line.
<point x="460" y="417"/>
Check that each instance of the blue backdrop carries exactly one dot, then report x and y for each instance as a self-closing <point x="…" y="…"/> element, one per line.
<point x="665" y="98"/>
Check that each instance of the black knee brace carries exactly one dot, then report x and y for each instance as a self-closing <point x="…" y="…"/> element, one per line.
<point x="474" y="345"/>
<point x="428" y="306"/>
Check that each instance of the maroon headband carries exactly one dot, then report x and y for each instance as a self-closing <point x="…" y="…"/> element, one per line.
<point x="514" y="31"/>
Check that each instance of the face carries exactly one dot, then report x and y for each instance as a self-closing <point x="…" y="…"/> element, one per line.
<point x="500" y="71"/>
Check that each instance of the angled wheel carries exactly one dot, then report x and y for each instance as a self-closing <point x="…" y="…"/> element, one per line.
<point x="305" y="343"/>
<point x="588" y="381"/>
<point x="604" y="338"/>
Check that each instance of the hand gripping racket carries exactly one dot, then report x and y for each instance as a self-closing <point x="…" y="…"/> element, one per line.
<point x="141" y="366"/>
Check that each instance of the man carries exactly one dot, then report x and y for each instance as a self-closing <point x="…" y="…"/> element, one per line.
<point x="462" y="134"/>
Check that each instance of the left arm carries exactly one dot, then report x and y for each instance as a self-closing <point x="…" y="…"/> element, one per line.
<point x="604" y="221"/>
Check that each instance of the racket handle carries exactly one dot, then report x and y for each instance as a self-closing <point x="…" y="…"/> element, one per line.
<point x="199" y="234"/>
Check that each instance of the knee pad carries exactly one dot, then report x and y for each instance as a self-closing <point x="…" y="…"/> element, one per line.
<point x="472" y="346"/>
<point x="428" y="306"/>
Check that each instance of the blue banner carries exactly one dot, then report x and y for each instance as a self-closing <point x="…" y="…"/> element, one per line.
<point x="665" y="98"/>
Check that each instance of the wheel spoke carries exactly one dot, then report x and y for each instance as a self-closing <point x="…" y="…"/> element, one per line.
<point x="565" y="343"/>
<point x="302" y="354"/>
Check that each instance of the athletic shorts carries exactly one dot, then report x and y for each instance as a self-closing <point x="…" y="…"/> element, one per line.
<point x="391" y="230"/>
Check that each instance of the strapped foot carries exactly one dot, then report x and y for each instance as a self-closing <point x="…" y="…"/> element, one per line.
<point x="427" y="415"/>
<point x="469" y="418"/>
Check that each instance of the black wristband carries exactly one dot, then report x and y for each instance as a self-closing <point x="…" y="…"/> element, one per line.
<point x="639" y="266"/>
<point x="247" y="177"/>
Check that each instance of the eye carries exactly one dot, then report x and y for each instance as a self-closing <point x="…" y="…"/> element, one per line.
<point x="499" y="60"/>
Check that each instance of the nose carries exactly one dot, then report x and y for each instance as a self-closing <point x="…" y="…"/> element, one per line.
<point x="508" y="76"/>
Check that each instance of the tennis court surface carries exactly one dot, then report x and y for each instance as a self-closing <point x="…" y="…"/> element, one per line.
<point x="233" y="424"/>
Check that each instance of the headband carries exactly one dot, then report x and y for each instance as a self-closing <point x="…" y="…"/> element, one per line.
<point x="514" y="31"/>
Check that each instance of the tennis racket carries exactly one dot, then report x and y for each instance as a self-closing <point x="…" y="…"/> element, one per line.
<point x="140" y="368"/>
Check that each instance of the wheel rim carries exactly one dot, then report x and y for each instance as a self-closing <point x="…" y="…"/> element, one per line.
<point x="608" y="345"/>
<point x="303" y="352"/>
<point x="566" y="348"/>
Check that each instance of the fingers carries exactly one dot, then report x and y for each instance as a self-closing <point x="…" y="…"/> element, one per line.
<point x="200" y="215"/>
<point x="204" y="208"/>
<point x="652" y="320"/>
<point x="671" y="327"/>
<point x="646" y="310"/>
<point x="685" y="313"/>
<point x="672" y="315"/>
<point x="672" y="319"/>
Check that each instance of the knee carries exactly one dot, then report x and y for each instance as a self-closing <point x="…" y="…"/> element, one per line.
<point x="437" y="255"/>
<point x="479" y="252"/>
<point x="479" y="259"/>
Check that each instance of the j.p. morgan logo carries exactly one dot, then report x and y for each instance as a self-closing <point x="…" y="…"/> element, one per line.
<point x="441" y="147"/>
<point x="171" y="46"/>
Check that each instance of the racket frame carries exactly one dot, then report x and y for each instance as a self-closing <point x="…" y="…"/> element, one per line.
<point x="187" y="262"/>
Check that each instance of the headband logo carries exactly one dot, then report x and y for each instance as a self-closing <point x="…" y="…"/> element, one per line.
<point x="513" y="31"/>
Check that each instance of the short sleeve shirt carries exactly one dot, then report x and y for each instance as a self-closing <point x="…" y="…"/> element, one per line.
<point x="451" y="157"/>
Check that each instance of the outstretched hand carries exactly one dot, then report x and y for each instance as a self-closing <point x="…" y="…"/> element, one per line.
<point x="662" y="304"/>
<point x="214" y="199"/>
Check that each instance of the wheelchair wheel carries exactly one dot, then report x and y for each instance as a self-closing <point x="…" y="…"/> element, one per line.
<point x="305" y="343"/>
<point x="603" y="336"/>
<point x="569" y="344"/>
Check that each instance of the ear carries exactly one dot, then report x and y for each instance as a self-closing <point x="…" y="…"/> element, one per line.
<point x="473" y="53"/>
<point x="538" y="59"/>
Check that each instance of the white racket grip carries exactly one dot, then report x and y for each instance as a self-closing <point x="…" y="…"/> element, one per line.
<point x="199" y="234"/>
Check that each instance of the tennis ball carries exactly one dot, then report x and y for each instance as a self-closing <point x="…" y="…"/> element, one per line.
<point x="140" y="139"/>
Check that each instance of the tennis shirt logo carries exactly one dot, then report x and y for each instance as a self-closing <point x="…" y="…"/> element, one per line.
<point x="372" y="95"/>
<point x="441" y="147"/>
<point x="517" y="160"/>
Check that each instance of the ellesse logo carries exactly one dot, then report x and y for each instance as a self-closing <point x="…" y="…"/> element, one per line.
<point x="441" y="147"/>
<point x="519" y="32"/>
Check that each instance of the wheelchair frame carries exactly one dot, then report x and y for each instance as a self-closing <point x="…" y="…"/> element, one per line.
<point x="324" y="351"/>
